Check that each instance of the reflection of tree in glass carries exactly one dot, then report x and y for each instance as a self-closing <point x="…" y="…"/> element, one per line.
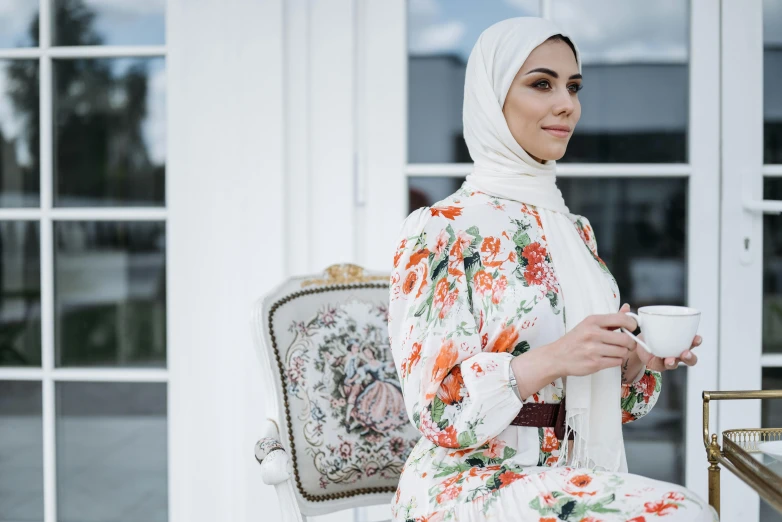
<point x="99" y="105"/>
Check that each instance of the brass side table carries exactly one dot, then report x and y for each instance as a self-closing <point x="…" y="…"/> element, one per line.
<point x="740" y="454"/>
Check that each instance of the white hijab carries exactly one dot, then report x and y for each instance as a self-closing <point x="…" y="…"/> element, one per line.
<point x="502" y="168"/>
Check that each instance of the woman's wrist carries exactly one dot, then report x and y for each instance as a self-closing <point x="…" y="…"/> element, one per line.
<point x="534" y="370"/>
<point x="631" y="367"/>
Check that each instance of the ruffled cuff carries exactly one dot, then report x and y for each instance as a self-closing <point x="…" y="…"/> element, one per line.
<point x="487" y="380"/>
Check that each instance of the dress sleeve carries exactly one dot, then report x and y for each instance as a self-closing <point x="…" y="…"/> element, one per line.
<point x="457" y="395"/>
<point x="639" y="397"/>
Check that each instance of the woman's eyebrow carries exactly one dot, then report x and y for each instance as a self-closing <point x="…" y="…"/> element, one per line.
<point x="552" y="73"/>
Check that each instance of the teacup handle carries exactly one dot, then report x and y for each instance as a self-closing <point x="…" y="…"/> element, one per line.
<point x="637" y="320"/>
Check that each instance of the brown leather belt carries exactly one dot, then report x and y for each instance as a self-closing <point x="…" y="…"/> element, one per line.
<point x="543" y="416"/>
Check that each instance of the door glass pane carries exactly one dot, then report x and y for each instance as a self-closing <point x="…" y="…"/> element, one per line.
<point x="21" y="457"/>
<point x="109" y="22"/>
<point x="110" y="136"/>
<point x="635" y="66"/>
<point x="772" y="78"/>
<point x="18" y="23"/>
<point x="772" y="271"/>
<point x="640" y="226"/>
<point x="19" y="126"/>
<point x="111" y="452"/>
<point x="441" y="34"/>
<point x="20" y="294"/>
<point x="110" y="293"/>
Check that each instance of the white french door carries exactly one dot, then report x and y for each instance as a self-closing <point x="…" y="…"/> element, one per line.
<point x="750" y="293"/>
<point x="644" y="166"/>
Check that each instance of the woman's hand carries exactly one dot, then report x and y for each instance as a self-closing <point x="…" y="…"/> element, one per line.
<point x="593" y="345"/>
<point x="658" y="364"/>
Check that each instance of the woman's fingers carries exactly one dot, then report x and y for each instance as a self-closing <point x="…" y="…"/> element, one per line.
<point x="617" y="338"/>
<point x="689" y="358"/>
<point x="614" y="321"/>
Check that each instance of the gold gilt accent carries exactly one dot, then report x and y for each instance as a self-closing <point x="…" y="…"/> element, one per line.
<point x="284" y="378"/>
<point x="738" y="445"/>
<point x="344" y="274"/>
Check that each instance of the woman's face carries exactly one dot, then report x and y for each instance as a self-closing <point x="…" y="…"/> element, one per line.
<point x="542" y="106"/>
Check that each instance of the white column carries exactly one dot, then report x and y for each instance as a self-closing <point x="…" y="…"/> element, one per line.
<point x="226" y="246"/>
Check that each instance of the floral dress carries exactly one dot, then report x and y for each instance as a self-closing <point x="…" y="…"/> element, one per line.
<point x="473" y="285"/>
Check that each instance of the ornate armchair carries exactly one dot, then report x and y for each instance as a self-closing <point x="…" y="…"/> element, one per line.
<point x="337" y="433"/>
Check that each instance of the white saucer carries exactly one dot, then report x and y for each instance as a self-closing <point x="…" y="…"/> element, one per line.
<point x="772" y="449"/>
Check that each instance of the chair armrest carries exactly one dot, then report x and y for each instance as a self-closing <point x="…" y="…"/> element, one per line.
<point x="271" y="455"/>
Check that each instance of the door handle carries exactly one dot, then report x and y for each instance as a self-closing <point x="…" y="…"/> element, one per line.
<point x="752" y="207"/>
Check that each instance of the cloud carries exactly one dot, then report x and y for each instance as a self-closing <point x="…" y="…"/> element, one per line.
<point x="417" y="8"/>
<point x="136" y="7"/>
<point x="154" y="126"/>
<point x="438" y="37"/>
<point x="615" y="30"/>
<point x="528" y="6"/>
<point x="772" y="22"/>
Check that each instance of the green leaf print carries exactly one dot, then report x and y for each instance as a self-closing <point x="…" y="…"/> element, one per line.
<point x="629" y="403"/>
<point x="438" y="269"/>
<point x="438" y="408"/>
<point x="467" y="438"/>
<point x="522" y="347"/>
<point x="472" y="264"/>
<point x="508" y="453"/>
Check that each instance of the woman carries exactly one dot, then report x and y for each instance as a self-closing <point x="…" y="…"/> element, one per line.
<point x="500" y="303"/>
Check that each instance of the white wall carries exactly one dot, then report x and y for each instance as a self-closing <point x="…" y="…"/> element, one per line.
<point x="226" y="247"/>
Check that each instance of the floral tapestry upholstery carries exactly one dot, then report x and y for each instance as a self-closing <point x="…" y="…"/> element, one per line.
<point x="350" y="434"/>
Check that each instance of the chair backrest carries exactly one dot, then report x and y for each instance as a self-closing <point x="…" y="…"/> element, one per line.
<point x="332" y="387"/>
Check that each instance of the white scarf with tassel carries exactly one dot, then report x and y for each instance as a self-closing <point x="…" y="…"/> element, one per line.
<point x="502" y="168"/>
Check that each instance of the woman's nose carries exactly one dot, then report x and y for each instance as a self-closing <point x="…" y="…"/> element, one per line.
<point x="564" y="103"/>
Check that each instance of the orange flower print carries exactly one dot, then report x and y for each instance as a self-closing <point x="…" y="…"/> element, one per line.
<point x="476" y="368"/>
<point x="484" y="340"/>
<point x="448" y="303"/>
<point x="445" y="360"/>
<point x="550" y="442"/>
<point x="590" y="519"/>
<point x="581" y="481"/>
<point x="637" y="519"/>
<point x="417" y="257"/>
<point x="509" y="477"/>
<point x="660" y="508"/>
<point x="451" y="389"/>
<point x="412" y="360"/>
<point x="440" y="243"/>
<point x="498" y="289"/>
<point x="449" y="493"/>
<point x="410" y="281"/>
<point x="506" y="341"/>
<point x="447" y="212"/>
<point x="495" y="449"/>
<point x="547" y="499"/>
<point x="674" y="495"/>
<point x="440" y="292"/>
<point x="646" y="386"/>
<point x="625" y="391"/>
<point x="548" y="519"/>
<point x="552" y="461"/>
<point x="490" y="246"/>
<point x="627" y="417"/>
<point x="482" y="281"/>
<point x="399" y="251"/>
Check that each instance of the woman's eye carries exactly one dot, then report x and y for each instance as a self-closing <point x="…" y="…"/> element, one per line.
<point x="575" y="88"/>
<point x="544" y="84"/>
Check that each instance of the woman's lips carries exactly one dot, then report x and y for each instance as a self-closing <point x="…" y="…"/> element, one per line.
<point x="557" y="131"/>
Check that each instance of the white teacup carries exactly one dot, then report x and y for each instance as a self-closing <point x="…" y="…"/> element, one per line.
<point x="668" y="330"/>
